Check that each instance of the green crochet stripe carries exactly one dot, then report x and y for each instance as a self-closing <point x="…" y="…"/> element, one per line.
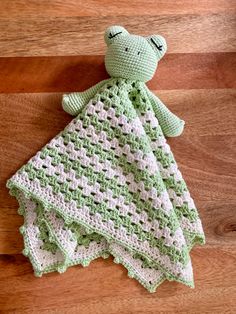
<point x="62" y="267"/>
<point x="75" y="228"/>
<point x="119" y="107"/>
<point x="150" y="181"/>
<point x="153" y="133"/>
<point x="83" y="239"/>
<point x="135" y="142"/>
<point x="108" y="214"/>
<point x="142" y="106"/>
<point x="166" y="160"/>
<point x="108" y="96"/>
<point x="184" y="211"/>
<point x="139" y="99"/>
<point x="113" y="184"/>
<point x="193" y="238"/>
<point x="178" y="187"/>
<point x="44" y="235"/>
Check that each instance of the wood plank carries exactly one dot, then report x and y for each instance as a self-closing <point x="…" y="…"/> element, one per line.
<point x="185" y="33"/>
<point x="55" y="46"/>
<point x="205" y="153"/>
<point x="76" y="73"/>
<point x="104" y="286"/>
<point x="51" y="8"/>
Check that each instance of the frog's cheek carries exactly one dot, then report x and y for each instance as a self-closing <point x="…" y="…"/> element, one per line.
<point x="114" y="33"/>
<point x="158" y="44"/>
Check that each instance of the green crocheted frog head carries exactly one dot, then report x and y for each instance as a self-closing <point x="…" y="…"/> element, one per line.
<point x="131" y="56"/>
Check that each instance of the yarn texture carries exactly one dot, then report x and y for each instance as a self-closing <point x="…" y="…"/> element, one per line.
<point x="108" y="184"/>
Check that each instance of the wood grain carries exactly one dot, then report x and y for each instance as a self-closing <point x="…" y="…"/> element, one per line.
<point x="109" y="7"/>
<point x="51" y="47"/>
<point x="104" y="287"/>
<point x="76" y="73"/>
<point x="185" y="33"/>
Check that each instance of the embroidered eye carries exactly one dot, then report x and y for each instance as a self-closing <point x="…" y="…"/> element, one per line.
<point x="159" y="47"/>
<point x="126" y="49"/>
<point x="138" y="52"/>
<point x="112" y="36"/>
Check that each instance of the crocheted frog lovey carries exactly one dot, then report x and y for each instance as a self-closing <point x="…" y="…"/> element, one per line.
<point x="108" y="184"/>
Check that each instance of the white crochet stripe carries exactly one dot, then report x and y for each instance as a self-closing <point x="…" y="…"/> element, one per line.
<point x="180" y="200"/>
<point x="148" y="275"/>
<point x="95" y="222"/>
<point x="150" y="163"/>
<point x="149" y="118"/>
<point x="44" y="258"/>
<point x="176" y="240"/>
<point x="157" y="200"/>
<point x="64" y="236"/>
<point x="69" y="243"/>
<point x="171" y="171"/>
<point x="145" y="274"/>
<point x="144" y="161"/>
<point x="84" y="253"/>
<point x="194" y="227"/>
<point x="134" y="126"/>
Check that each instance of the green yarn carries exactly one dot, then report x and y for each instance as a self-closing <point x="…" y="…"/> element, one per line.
<point x="109" y="183"/>
<point x="130" y="56"/>
<point x="74" y="102"/>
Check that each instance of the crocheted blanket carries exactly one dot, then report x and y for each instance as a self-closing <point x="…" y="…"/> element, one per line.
<point x="108" y="184"/>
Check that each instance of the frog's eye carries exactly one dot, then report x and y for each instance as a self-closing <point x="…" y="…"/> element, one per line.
<point x="159" y="47"/>
<point x="114" y="33"/>
<point x="139" y="52"/>
<point x="126" y="49"/>
<point x="112" y="36"/>
<point x="158" y="44"/>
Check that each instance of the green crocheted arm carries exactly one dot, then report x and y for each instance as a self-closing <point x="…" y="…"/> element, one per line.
<point x="74" y="102"/>
<point x="170" y="124"/>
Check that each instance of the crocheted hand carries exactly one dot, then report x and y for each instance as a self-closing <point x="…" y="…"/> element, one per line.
<point x="130" y="57"/>
<point x="74" y="102"/>
<point x="171" y="125"/>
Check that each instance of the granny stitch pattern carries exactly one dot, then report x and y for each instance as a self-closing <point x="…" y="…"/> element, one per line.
<point x="108" y="184"/>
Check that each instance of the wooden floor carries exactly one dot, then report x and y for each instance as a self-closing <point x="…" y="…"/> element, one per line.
<point x="50" y="47"/>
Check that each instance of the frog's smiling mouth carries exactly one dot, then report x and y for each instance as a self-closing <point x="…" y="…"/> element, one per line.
<point x="112" y="36"/>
